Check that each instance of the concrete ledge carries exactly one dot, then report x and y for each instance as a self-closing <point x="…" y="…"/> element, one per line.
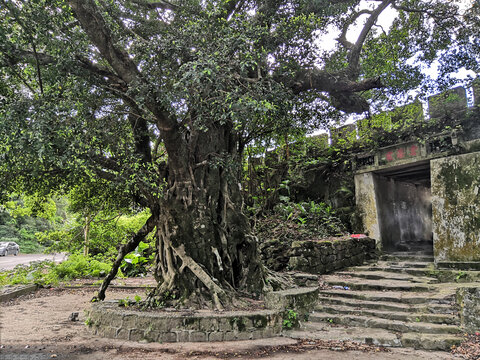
<point x="458" y="265"/>
<point x="7" y="294"/>
<point x="468" y="300"/>
<point x="107" y="319"/>
<point x="303" y="300"/>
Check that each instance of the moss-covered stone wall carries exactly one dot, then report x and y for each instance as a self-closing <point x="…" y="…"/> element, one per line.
<point x="468" y="300"/>
<point x="456" y="208"/>
<point x="367" y="205"/>
<point x="321" y="257"/>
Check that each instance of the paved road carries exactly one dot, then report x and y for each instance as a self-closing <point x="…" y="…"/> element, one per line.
<point x="10" y="261"/>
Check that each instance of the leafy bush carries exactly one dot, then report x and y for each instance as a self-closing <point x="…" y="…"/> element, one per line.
<point x="290" y="319"/>
<point x="50" y="273"/>
<point x="107" y="233"/>
<point x="37" y="272"/>
<point x="79" y="266"/>
<point x="137" y="263"/>
<point x="300" y="221"/>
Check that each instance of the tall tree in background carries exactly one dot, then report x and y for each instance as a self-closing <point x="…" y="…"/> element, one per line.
<point x="151" y="103"/>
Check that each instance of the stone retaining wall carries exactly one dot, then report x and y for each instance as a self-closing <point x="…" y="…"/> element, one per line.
<point x="468" y="300"/>
<point x="107" y="319"/>
<point x="326" y="256"/>
<point x="303" y="300"/>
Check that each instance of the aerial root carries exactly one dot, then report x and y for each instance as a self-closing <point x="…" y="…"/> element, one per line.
<point x="218" y="294"/>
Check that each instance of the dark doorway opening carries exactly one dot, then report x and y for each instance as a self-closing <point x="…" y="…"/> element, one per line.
<point x="405" y="208"/>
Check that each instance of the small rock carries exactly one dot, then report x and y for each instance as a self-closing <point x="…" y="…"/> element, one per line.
<point x="73" y="316"/>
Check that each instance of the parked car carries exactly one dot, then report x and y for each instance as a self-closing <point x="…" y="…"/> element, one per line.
<point x="8" y="248"/>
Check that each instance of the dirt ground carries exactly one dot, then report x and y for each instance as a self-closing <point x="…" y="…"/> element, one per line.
<point x="37" y="327"/>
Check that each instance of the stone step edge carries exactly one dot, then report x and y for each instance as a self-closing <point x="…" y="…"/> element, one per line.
<point x="425" y="318"/>
<point x="392" y="325"/>
<point x="396" y="270"/>
<point x="368" y="275"/>
<point x="397" y="306"/>
<point x="387" y="339"/>
<point x="370" y="286"/>
<point x="386" y="296"/>
<point x="16" y="291"/>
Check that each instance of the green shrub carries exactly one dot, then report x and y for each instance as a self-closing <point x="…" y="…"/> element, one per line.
<point x="79" y="266"/>
<point x="48" y="273"/>
<point x="137" y="263"/>
<point x="37" y="273"/>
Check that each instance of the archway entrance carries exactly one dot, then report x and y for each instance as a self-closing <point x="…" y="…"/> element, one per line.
<point x="404" y="207"/>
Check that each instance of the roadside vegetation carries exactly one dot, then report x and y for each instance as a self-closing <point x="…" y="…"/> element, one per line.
<point x="56" y="226"/>
<point x="48" y="273"/>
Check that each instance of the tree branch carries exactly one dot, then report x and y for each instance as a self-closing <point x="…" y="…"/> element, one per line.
<point x="432" y="14"/>
<point x="146" y="229"/>
<point x="39" y="73"/>
<point x="37" y="58"/>
<point x="354" y="56"/>
<point x="163" y="5"/>
<point x="97" y="30"/>
<point x="342" y="39"/>
<point x="140" y="134"/>
<point x="322" y="80"/>
<point x="338" y="85"/>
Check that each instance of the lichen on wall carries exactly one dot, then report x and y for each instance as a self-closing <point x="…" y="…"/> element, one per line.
<point x="367" y="204"/>
<point x="468" y="300"/>
<point x="456" y="207"/>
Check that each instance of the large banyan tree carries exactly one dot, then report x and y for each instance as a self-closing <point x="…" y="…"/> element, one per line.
<point x="150" y="104"/>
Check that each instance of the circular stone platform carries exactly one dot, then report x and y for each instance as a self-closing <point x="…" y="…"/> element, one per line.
<point x="107" y="319"/>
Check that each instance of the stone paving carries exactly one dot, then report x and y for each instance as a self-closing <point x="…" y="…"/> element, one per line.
<point x="394" y="302"/>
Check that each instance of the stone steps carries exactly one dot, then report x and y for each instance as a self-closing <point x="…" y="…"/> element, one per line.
<point x="423" y="270"/>
<point x="358" y="309"/>
<point x="396" y="265"/>
<point x="387" y="324"/>
<point x="389" y="306"/>
<point x="380" y="284"/>
<point x="378" y="337"/>
<point x="414" y="271"/>
<point x="322" y="331"/>
<point x="380" y="274"/>
<point x="390" y="296"/>
<point x="408" y="257"/>
<point x="391" y="303"/>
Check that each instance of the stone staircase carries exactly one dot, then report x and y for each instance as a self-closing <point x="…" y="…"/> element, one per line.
<point x="392" y="302"/>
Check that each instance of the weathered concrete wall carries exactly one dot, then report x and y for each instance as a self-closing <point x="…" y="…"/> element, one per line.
<point x="405" y="217"/>
<point x="367" y="205"/>
<point x="456" y="208"/>
<point x="326" y="256"/>
<point x="468" y="300"/>
<point x="303" y="300"/>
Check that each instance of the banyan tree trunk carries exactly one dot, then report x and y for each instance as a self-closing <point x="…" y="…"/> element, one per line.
<point x="205" y="248"/>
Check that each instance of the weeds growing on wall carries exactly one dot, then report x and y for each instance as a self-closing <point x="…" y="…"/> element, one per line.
<point x="290" y="221"/>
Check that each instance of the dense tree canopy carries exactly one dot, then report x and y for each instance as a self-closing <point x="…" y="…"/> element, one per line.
<point x="150" y="104"/>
